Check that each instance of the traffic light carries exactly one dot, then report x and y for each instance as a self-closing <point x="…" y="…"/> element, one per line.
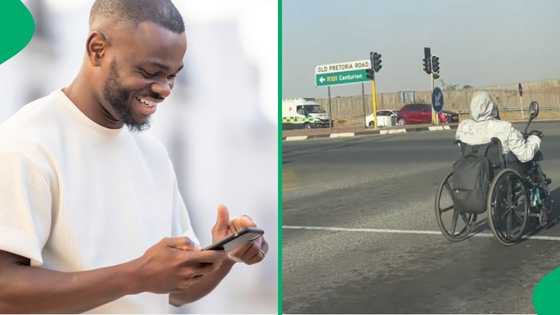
<point x="427" y="66"/>
<point x="427" y="60"/>
<point x="435" y="64"/>
<point x="376" y="62"/>
<point x="369" y="73"/>
<point x="436" y="75"/>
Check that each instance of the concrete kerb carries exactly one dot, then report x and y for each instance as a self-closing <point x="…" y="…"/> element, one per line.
<point x="391" y="131"/>
<point x="367" y="132"/>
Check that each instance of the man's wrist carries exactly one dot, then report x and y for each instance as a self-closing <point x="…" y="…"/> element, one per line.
<point x="131" y="280"/>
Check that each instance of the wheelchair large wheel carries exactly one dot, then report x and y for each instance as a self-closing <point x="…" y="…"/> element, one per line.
<point x="508" y="207"/>
<point x="454" y="225"/>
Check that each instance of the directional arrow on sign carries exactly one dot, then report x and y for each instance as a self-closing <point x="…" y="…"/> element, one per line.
<point x="322" y="79"/>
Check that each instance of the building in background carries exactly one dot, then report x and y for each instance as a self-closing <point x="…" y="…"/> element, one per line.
<point x="219" y="124"/>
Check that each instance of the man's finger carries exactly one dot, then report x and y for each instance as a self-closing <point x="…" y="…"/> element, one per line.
<point x="222" y="218"/>
<point x="251" y="252"/>
<point x="263" y="245"/>
<point x="239" y="223"/>
<point x="240" y="251"/>
<point x="259" y="256"/>
<point x="204" y="256"/>
<point x="181" y="242"/>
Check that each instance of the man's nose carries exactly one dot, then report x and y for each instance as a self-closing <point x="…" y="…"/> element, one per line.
<point x="163" y="89"/>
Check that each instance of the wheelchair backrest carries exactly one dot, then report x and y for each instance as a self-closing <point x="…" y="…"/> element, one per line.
<point x="492" y="150"/>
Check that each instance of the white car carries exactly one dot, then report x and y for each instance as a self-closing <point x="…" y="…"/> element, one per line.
<point x="385" y="118"/>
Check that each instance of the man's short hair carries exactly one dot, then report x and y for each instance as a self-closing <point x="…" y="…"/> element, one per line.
<point x="161" y="12"/>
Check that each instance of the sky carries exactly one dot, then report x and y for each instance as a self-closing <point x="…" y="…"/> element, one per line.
<point x="479" y="42"/>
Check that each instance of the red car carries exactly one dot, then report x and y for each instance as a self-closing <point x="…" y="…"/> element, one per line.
<point x="422" y="114"/>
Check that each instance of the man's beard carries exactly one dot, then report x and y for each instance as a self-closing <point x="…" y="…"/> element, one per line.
<point x="119" y="98"/>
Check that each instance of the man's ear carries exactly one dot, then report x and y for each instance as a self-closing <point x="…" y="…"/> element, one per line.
<point x="96" y="47"/>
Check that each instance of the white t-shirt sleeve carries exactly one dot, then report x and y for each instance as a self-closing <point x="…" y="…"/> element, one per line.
<point x="181" y="221"/>
<point x="25" y="207"/>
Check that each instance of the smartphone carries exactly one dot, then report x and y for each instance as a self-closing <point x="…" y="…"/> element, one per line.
<point x="236" y="240"/>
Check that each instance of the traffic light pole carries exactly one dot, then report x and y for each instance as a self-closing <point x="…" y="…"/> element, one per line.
<point x="435" y="118"/>
<point x="375" y="66"/>
<point x="374" y="103"/>
<point x="330" y="108"/>
<point x="364" y="105"/>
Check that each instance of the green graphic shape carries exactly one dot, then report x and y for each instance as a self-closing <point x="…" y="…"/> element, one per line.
<point x="16" y="28"/>
<point x="545" y="294"/>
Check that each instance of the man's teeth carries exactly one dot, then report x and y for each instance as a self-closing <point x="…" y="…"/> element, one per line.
<point x="146" y="102"/>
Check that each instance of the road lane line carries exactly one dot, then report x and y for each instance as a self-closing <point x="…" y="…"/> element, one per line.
<point x="395" y="231"/>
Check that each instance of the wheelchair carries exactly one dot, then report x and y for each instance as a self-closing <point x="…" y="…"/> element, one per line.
<point x="516" y="193"/>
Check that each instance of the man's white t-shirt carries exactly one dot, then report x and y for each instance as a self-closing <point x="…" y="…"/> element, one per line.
<point x="77" y="196"/>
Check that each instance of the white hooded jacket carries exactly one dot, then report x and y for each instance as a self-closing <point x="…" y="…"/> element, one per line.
<point x="484" y="126"/>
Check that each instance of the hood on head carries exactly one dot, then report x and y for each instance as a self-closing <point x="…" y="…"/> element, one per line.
<point x="483" y="107"/>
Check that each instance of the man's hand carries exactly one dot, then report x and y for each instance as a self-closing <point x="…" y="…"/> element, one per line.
<point x="251" y="253"/>
<point x="537" y="133"/>
<point x="172" y="265"/>
<point x="175" y="264"/>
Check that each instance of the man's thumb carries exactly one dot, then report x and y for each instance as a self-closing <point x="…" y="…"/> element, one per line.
<point x="222" y="220"/>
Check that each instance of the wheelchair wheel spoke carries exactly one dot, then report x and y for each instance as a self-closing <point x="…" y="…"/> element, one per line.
<point x="509" y="192"/>
<point x="515" y="215"/>
<point x="466" y="218"/>
<point x="508" y="225"/>
<point x="446" y="209"/>
<point x="448" y="187"/>
<point x="454" y="221"/>
<point x="505" y="214"/>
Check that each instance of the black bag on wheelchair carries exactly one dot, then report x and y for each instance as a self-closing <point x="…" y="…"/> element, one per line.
<point x="471" y="178"/>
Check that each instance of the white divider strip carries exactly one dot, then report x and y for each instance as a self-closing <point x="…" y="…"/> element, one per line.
<point x="397" y="231"/>
<point x="296" y="138"/>
<point x="342" y="134"/>
<point x="392" y="131"/>
<point x="433" y="128"/>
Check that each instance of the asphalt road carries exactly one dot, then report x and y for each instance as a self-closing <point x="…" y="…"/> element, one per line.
<point x="381" y="190"/>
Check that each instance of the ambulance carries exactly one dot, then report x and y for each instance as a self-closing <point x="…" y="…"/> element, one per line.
<point x="303" y="113"/>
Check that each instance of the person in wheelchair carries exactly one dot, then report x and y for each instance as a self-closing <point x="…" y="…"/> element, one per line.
<point x="486" y="124"/>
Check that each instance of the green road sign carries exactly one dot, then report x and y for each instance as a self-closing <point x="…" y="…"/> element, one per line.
<point x="341" y="77"/>
<point x="342" y="73"/>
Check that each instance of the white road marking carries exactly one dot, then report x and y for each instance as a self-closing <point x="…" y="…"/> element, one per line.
<point x="296" y="138"/>
<point x="342" y="134"/>
<point x="392" y="131"/>
<point x="396" y="231"/>
<point x="434" y="128"/>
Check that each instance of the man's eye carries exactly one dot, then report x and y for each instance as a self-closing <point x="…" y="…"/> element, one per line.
<point x="147" y="75"/>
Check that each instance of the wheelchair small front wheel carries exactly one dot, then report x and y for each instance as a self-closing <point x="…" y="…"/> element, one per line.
<point x="508" y="207"/>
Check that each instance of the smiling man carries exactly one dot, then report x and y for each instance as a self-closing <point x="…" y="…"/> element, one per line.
<point x="91" y="218"/>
